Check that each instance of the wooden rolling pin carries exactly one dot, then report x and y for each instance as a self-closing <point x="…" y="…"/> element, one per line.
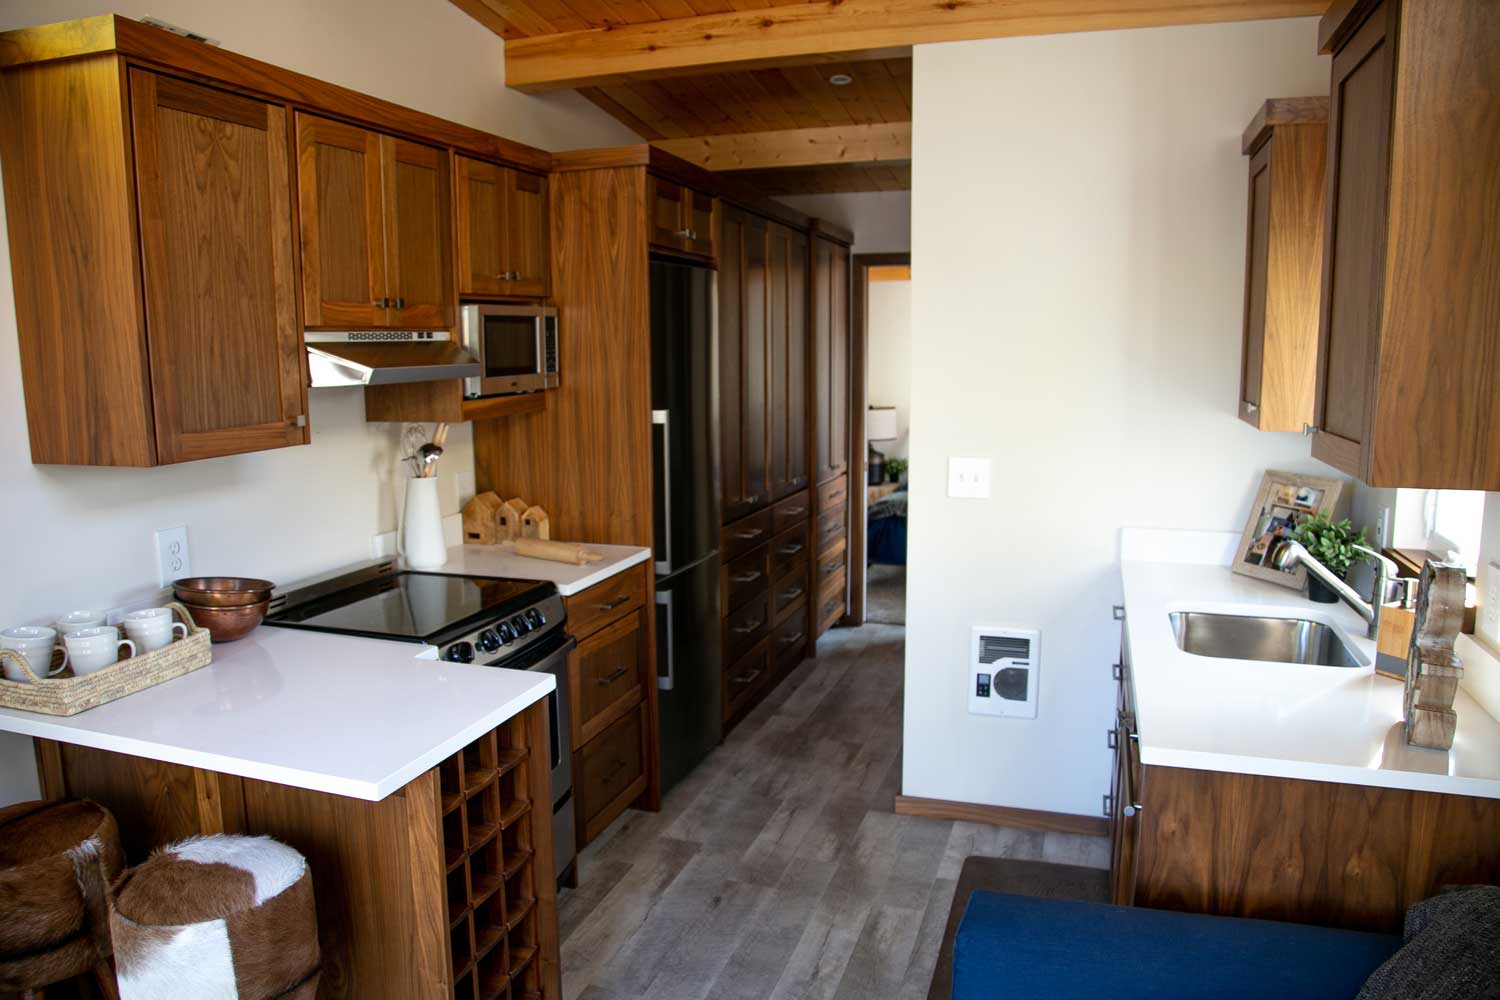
<point x="563" y="552"/>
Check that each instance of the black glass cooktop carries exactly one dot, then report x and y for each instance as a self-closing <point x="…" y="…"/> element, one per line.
<point x="413" y="607"/>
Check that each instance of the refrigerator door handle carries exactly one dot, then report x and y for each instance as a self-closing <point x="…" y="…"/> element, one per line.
<point x="660" y="418"/>
<point x="665" y="640"/>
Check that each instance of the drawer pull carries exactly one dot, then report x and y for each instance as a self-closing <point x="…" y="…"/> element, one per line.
<point x="622" y="599"/>
<point x="790" y="549"/>
<point x="748" y="627"/>
<point x="791" y="593"/>
<point x="606" y="681"/>
<point x="832" y="568"/>
<point x="750" y="533"/>
<point x="793" y="511"/>
<point x="749" y="577"/>
<point x="791" y="640"/>
<point x="753" y="500"/>
<point x="747" y="678"/>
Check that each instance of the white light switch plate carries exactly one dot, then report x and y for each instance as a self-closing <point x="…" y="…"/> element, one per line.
<point x="1489" y="619"/>
<point x="969" y="478"/>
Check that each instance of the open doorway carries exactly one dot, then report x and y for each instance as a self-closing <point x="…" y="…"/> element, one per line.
<point x="881" y="362"/>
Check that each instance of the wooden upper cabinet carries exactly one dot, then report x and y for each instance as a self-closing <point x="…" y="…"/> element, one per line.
<point x="743" y="364"/>
<point x="788" y="374"/>
<point x="830" y="343"/>
<point x="1408" y="379"/>
<point x="1287" y="143"/>
<point x="375" y="216"/>
<point x="214" y="189"/>
<point x="502" y="230"/>
<point x="680" y="219"/>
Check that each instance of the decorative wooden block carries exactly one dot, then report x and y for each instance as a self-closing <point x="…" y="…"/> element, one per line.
<point x="482" y="520"/>
<point x="1432" y="668"/>
<point x="536" y="524"/>
<point x="512" y="512"/>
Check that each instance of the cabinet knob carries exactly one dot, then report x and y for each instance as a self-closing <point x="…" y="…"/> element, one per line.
<point x="1251" y="407"/>
<point x="1308" y="430"/>
<point x="400" y="303"/>
<point x="381" y="303"/>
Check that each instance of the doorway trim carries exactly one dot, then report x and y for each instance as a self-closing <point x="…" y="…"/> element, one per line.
<point x="859" y="372"/>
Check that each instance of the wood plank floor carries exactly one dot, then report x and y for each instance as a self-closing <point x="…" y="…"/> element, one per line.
<point x="777" y="870"/>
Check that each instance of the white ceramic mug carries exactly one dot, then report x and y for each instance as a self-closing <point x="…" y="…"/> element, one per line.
<point x="36" y="643"/>
<point x="75" y="620"/>
<point x="91" y="649"/>
<point x="151" y="628"/>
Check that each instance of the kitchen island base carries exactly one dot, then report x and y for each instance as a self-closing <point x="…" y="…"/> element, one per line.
<point x="440" y="890"/>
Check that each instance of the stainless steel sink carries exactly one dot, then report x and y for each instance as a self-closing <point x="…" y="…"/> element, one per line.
<point x="1276" y="640"/>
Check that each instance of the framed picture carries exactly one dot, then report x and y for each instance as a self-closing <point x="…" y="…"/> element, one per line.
<point x="1284" y="501"/>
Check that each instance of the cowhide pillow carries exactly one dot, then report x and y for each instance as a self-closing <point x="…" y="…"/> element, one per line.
<point x="217" y="917"/>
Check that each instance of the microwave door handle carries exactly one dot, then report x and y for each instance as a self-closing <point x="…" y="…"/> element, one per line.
<point x="666" y="642"/>
<point x="661" y="418"/>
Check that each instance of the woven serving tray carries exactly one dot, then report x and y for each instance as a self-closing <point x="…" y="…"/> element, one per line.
<point x="69" y="695"/>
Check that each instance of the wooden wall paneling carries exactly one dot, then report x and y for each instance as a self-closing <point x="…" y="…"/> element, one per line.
<point x="51" y="111"/>
<point x="214" y="192"/>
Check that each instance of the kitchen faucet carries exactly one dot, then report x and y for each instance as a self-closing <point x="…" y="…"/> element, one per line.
<point x="1291" y="553"/>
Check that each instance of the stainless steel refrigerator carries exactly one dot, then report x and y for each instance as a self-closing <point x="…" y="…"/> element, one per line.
<point x="685" y="425"/>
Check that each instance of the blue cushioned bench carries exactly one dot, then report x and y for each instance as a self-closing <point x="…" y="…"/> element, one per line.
<point x="1029" y="948"/>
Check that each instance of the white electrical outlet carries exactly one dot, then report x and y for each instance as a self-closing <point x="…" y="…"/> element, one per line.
<point x="1489" y="621"/>
<point x="173" y="559"/>
<point x="969" y="478"/>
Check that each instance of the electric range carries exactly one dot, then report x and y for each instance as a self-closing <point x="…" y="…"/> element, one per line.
<point x="487" y="621"/>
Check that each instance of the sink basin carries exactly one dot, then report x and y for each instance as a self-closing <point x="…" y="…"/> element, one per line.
<point x="1276" y="640"/>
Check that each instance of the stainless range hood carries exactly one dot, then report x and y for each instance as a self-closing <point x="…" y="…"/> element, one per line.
<point x="385" y="357"/>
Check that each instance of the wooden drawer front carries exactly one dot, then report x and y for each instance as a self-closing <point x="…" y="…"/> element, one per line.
<point x="605" y="602"/>
<point x="746" y="679"/>
<point x="830" y="564"/>
<point x="833" y="493"/>
<point x="744" y="535"/>
<point x="746" y="626"/>
<point x="788" y="549"/>
<point x="788" y="590"/>
<point x="789" y="641"/>
<point x="831" y="607"/>
<point x="790" y="512"/>
<point x="831" y="527"/>
<point x="605" y="675"/>
<point x="611" y="772"/>
<point x="746" y="578"/>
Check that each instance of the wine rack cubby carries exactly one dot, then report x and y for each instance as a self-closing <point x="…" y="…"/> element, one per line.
<point x="492" y="880"/>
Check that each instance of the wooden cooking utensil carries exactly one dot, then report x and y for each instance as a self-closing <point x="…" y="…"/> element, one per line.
<point x="563" y="552"/>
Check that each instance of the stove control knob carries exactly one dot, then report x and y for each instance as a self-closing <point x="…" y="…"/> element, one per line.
<point x="535" y="619"/>
<point x="488" y="641"/>
<point x="521" y="625"/>
<point x="507" y="634"/>
<point x="460" y="652"/>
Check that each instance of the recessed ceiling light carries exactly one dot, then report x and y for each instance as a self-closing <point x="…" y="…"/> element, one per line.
<point x="841" y="79"/>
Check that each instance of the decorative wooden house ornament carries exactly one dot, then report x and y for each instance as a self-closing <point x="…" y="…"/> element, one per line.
<point x="482" y="520"/>
<point x="1432" y="668"/>
<point x="512" y="512"/>
<point x="536" y="524"/>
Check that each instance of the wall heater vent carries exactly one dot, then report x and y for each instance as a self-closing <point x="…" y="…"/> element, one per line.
<point x="1004" y="671"/>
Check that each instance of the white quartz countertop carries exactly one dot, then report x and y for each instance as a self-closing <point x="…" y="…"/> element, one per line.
<point x="1284" y="720"/>
<point x="330" y="713"/>
<point x="495" y="560"/>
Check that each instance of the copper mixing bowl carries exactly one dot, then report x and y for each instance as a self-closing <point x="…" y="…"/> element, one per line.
<point x="222" y="591"/>
<point x="228" y="624"/>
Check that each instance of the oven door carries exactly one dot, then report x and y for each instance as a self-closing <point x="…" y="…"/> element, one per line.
<point x="509" y="344"/>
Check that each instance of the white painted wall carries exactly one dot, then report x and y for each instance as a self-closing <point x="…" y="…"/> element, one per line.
<point x="889" y="369"/>
<point x="880" y="220"/>
<point x="285" y="514"/>
<point x="1079" y="226"/>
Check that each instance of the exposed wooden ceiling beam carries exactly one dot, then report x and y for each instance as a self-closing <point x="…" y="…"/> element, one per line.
<point x="837" y="178"/>
<point x="814" y="31"/>
<point x="803" y="147"/>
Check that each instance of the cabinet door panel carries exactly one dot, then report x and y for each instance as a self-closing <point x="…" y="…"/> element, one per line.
<point x="526" y="233"/>
<point x="417" y="217"/>
<point x="701" y="222"/>
<point x="755" y="361"/>
<point x="481" y="226"/>
<point x="798" y="472"/>
<point x="1354" y="261"/>
<point x="214" y="189"/>
<point x="731" y="457"/>
<point x="343" y="229"/>
<point x="778" y="387"/>
<point x="831" y="356"/>
<point x="668" y="214"/>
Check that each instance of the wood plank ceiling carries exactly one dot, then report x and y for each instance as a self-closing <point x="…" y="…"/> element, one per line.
<point x="684" y="74"/>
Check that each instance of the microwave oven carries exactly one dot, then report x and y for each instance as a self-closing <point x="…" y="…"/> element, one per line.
<point x="516" y="346"/>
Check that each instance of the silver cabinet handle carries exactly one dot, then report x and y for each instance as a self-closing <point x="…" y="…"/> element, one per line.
<point x="749" y="577"/>
<point x="623" y="598"/>
<point x="662" y="419"/>
<point x="794" y="511"/>
<point x="400" y="303"/>
<point x="790" y="549"/>
<point x="748" y="627"/>
<point x="1308" y="430"/>
<point x="747" y="678"/>
<point x="746" y="535"/>
<point x="792" y="640"/>
<point x="686" y="234"/>
<point x="606" y="681"/>
<point x="791" y="593"/>
<point x="1251" y="407"/>
<point x="1132" y="793"/>
<point x="665" y="657"/>
<point x="1117" y="670"/>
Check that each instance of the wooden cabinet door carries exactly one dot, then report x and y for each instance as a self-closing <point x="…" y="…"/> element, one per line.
<point x="831" y="357"/>
<point x="743" y="364"/>
<point x="525" y="244"/>
<point x="787" y="390"/>
<point x="339" y="178"/>
<point x="731" y="457"/>
<point x="1354" y="257"/>
<point x="213" y="182"/>
<point x="667" y="213"/>
<point x="480" y="215"/>
<point x="418" y="212"/>
<point x="755" y="363"/>
<point x="700" y="218"/>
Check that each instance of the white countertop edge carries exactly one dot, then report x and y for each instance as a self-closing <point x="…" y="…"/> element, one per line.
<point x="604" y="571"/>
<point x="1273" y="767"/>
<point x="570" y="579"/>
<point x="42" y="726"/>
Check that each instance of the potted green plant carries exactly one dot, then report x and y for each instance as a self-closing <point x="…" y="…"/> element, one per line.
<point x="1332" y="544"/>
<point x="896" y="467"/>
